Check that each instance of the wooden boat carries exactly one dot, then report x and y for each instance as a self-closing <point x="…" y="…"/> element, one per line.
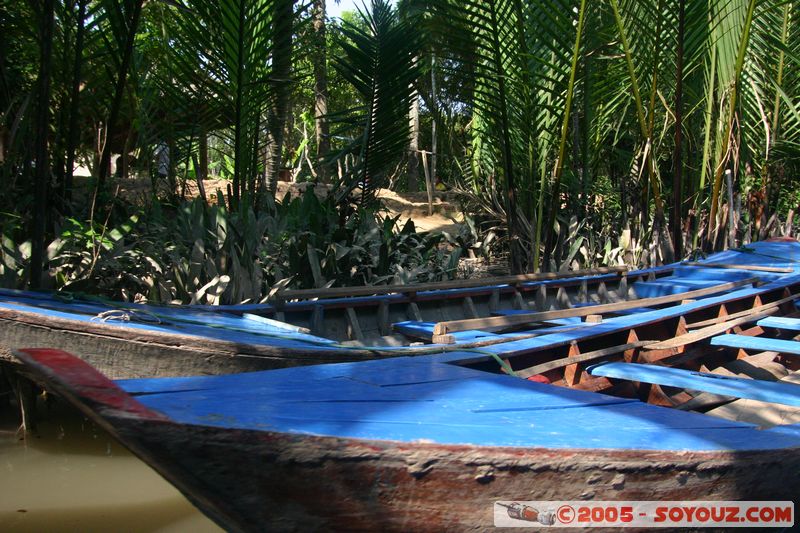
<point x="294" y="328"/>
<point x="695" y="399"/>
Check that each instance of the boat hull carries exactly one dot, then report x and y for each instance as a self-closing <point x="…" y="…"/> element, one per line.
<point x="122" y="352"/>
<point x="263" y="481"/>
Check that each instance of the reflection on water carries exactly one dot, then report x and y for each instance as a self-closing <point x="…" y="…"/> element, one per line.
<point x="72" y="476"/>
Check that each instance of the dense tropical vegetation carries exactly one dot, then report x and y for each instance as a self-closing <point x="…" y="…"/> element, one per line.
<point x="572" y="133"/>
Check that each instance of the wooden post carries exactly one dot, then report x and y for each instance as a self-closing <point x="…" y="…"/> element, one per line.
<point x="731" y="210"/>
<point x="469" y="307"/>
<point x="413" y="312"/>
<point x="354" y="326"/>
<point x="383" y="318"/>
<point x="318" y="320"/>
<point x="494" y="300"/>
<point x="572" y="373"/>
<point x="541" y="298"/>
<point x="428" y="184"/>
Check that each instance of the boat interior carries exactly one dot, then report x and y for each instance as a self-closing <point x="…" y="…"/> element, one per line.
<point x="711" y="337"/>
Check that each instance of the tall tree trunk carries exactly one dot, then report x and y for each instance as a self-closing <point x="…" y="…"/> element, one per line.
<point x="731" y="120"/>
<point x="202" y="167"/>
<point x="434" y="101"/>
<point x="586" y="122"/>
<point x="320" y="59"/>
<point x="677" y="162"/>
<point x="58" y="151"/>
<point x="42" y="176"/>
<point x="119" y="92"/>
<point x="412" y="168"/>
<point x="5" y="97"/>
<point x="767" y="184"/>
<point x="281" y="72"/>
<point x="562" y="147"/>
<point x="74" y="102"/>
<point x="516" y="252"/>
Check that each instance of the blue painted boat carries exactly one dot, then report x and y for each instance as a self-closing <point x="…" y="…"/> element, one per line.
<point x="294" y="328"/>
<point x="649" y="405"/>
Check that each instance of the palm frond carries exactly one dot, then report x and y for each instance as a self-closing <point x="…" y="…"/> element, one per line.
<point x="380" y="62"/>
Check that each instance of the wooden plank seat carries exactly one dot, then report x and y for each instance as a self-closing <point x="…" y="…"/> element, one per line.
<point x="766" y="391"/>
<point x="790" y="324"/>
<point x="746" y="342"/>
<point x="424" y="331"/>
<point x="762" y="414"/>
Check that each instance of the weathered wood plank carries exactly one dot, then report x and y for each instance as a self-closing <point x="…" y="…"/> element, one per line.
<point x="343" y="292"/>
<point x="765" y="414"/>
<point x="122" y="352"/>
<point x="355" y="326"/>
<point x="757" y="307"/>
<point x="582" y="358"/>
<point x="707" y="332"/>
<point x="443" y="328"/>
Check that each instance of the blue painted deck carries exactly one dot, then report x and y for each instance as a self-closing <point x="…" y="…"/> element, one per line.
<point x="418" y="399"/>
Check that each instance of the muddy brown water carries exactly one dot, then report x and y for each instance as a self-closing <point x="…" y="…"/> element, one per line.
<point x="73" y="476"/>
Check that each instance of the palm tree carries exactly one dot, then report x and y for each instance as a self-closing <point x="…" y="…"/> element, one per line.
<point x="555" y="107"/>
<point x="523" y="64"/>
<point x="231" y="66"/>
<point x="320" y="60"/>
<point x="380" y="63"/>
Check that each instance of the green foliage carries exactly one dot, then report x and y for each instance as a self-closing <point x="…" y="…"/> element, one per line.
<point x="381" y="62"/>
<point x="202" y="253"/>
<point x="558" y="117"/>
<point x="555" y="119"/>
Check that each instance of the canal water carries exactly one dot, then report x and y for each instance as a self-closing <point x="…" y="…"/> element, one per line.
<point x="72" y="476"/>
